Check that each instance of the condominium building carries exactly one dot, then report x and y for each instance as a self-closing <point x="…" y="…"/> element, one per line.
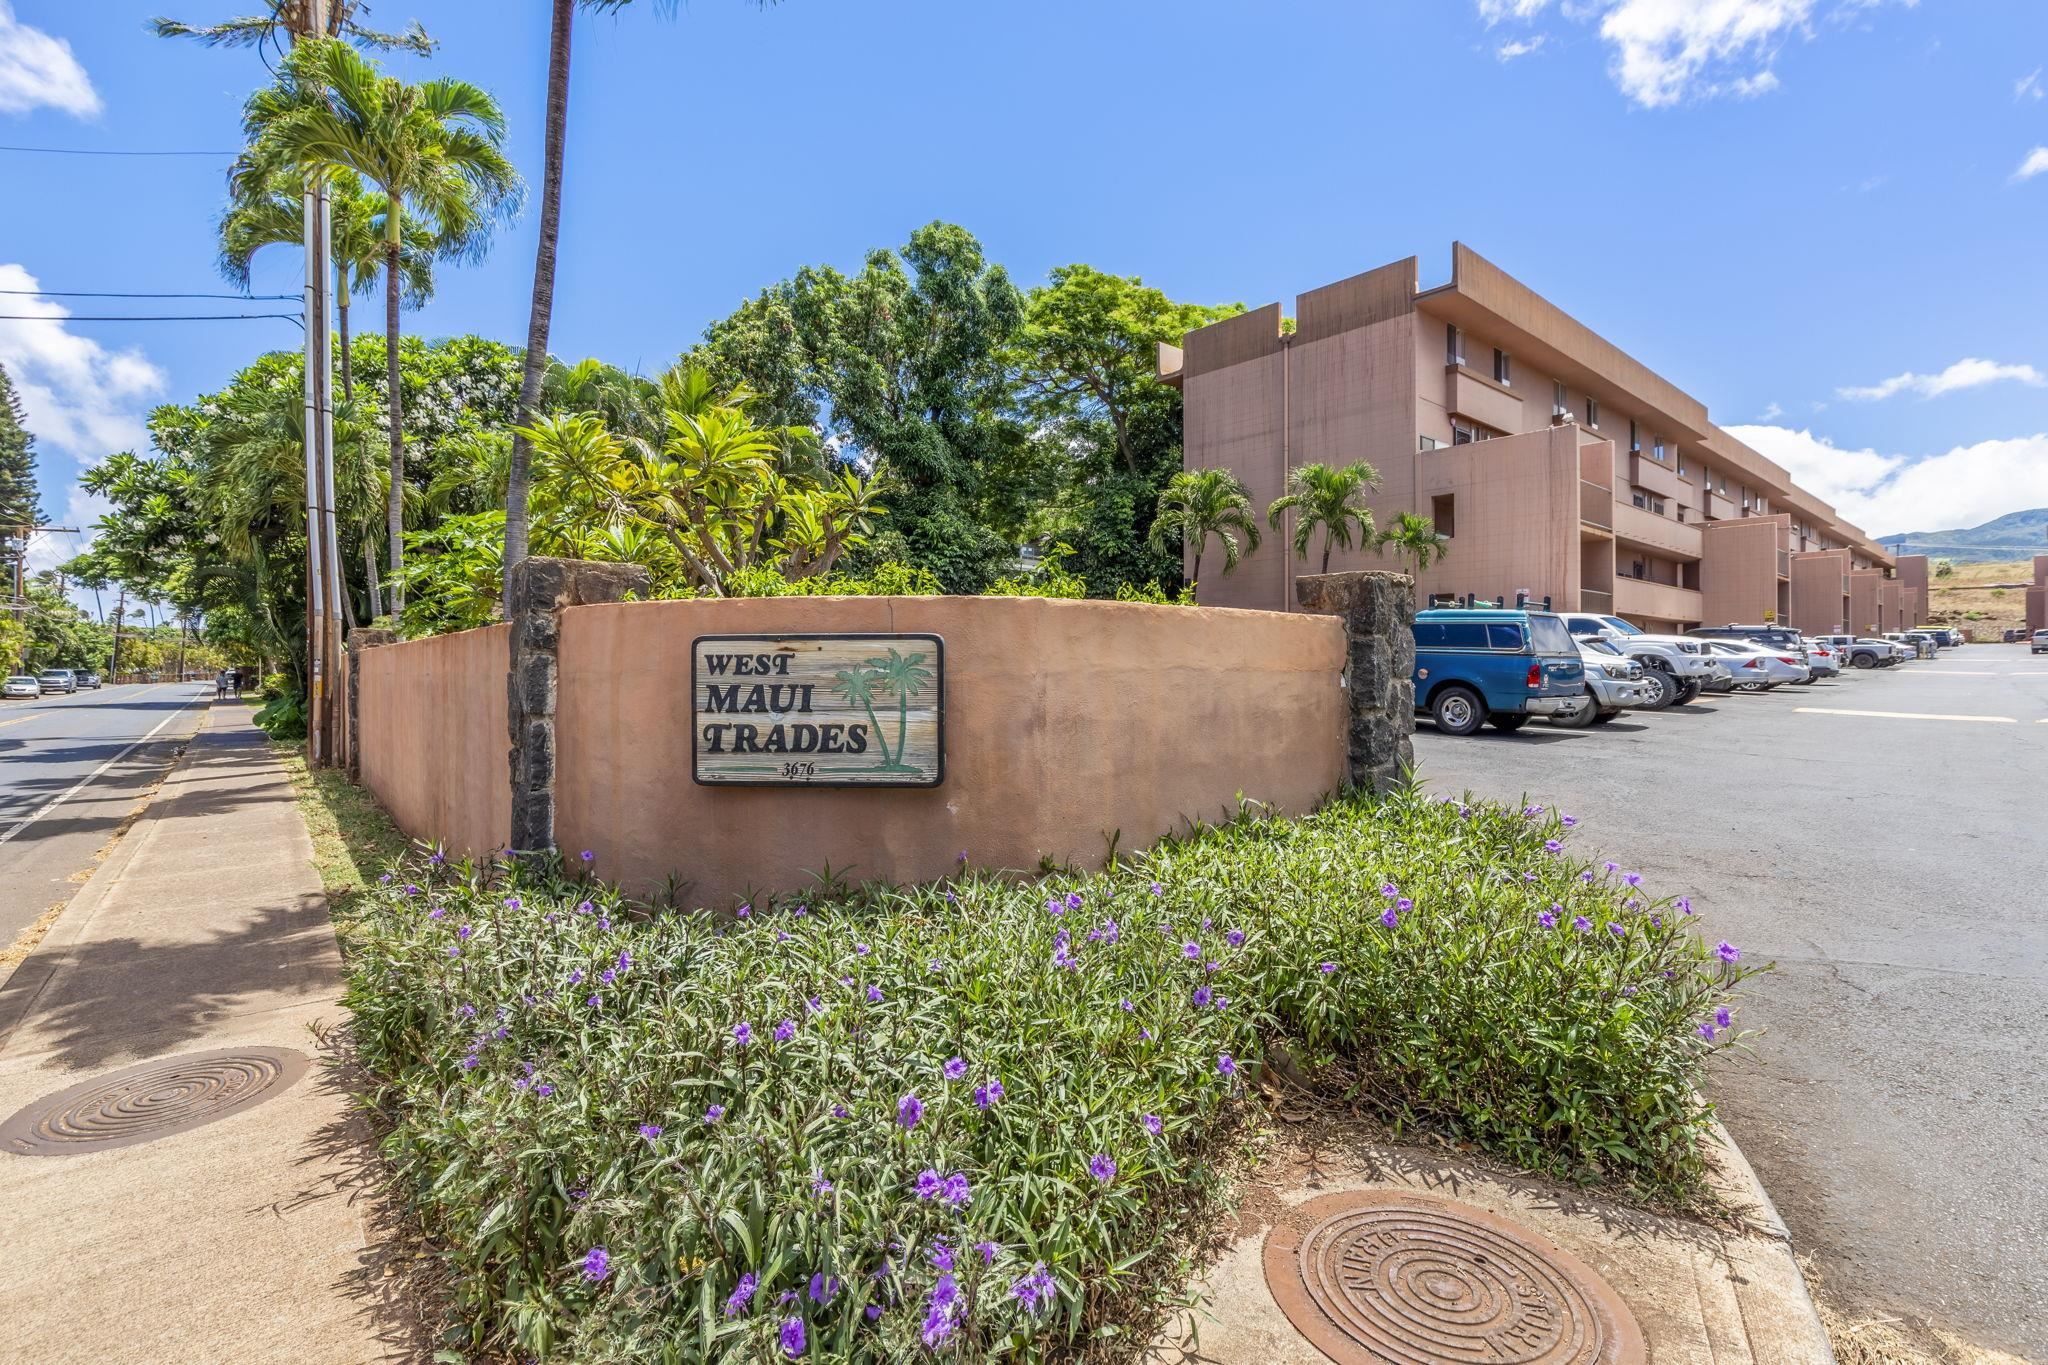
<point x="2037" y="596"/>
<point x="1558" y="465"/>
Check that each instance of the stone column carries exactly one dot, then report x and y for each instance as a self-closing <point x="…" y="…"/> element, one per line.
<point x="360" y="639"/>
<point x="538" y="590"/>
<point x="1377" y="608"/>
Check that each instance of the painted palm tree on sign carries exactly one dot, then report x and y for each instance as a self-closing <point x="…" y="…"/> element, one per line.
<point x="858" y="686"/>
<point x="1199" y="503"/>
<point x="1416" y="540"/>
<point x="905" y="674"/>
<point x="436" y="150"/>
<point x="1329" y="499"/>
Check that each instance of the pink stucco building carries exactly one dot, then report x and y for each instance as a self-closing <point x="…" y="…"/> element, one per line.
<point x="1558" y="464"/>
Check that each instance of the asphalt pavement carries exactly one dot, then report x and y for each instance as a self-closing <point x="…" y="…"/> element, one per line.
<point x="1884" y="839"/>
<point x="71" y="769"/>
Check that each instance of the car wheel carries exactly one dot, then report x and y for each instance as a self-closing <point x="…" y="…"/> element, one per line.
<point x="1751" y="686"/>
<point x="1662" y="689"/>
<point x="1806" y="681"/>
<point x="1458" y="711"/>
<point x="1688" y="692"/>
<point x="1602" y="717"/>
<point x="1865" y="661"/>
<point x="1577" y="720"/>
<point x="1507" y="722"/>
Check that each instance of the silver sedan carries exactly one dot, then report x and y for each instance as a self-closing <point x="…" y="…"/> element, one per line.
<point x="1758" y="668"/>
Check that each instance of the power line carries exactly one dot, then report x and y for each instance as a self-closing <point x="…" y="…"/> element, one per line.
<point x="104" y="294"/>
<point x="95" y="151"/>
<point x="146" y="317"/>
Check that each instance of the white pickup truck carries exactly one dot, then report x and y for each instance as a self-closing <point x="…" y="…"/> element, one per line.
<point x="1675" y="666"/>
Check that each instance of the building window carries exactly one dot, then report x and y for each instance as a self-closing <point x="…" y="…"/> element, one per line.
<point x="1649" y="502"/>
<point x="1560" y="401"/>
<point x="1462" y="435"/>
<point x="1638" y="570"/>
<point x="1454" y="347"/>
<point x="1635" y="438"/>
<point x="1443" y="511"/>
<point x="1430" y="443"/>
<point x="1503" y="372"/>
<point x="1657" y="449"/>
<point x="1681" y="464"/>
<point x="1593" y="413"/>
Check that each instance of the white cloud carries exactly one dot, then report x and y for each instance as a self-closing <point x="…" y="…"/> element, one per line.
<point x="2035" y="164"/>
<point x="1669" y="51"/>
<point x="38" y="70"/>
<point x="2028" y="87"/>
<point x="1964" y="374"/>
<point x="80" y="399"/>
<point x="1771" y="413"/>
<point x="1890" y="494"/>
<point x="1520" y="47"/>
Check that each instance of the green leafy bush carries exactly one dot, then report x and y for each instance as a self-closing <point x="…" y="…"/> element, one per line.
<point x="887" y="579"/>
<point x="1051" y="579"/>
<point x="983" y="1114"/>
<point x="282" y="717"/>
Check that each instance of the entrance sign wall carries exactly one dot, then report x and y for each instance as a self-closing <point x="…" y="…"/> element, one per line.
<point x="862" y="710"/>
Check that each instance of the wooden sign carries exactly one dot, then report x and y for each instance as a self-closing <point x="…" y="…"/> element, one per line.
<point x="818" y="710"/>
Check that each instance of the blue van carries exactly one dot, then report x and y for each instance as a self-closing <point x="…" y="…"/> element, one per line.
<point x="1474" y="665"/>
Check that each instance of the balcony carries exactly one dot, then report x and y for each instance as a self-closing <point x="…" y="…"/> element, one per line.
<point x="1596" y="506"/>
<point x="1469" y="395"/>
<point x="1657" y="601"/>
<point x="1784" y="564"/>
<point x="1638" y="526"/>
<point x="1602" y="602"/>
<point x="1719" y="507"/>
<point x="1659" y="478"/>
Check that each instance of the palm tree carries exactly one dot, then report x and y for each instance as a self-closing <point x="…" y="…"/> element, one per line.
<point x="1415" y="537"/>
<point x="540" y="312"/>
<point x="290" y="19"/>
<point x="1199" y="503"/>
<point x="905" y="674"/>
<point x="275" y="215"/>
<point x="435" y="149"/>
<point x="858" y="685"/>
<point x="1330" y="499"/>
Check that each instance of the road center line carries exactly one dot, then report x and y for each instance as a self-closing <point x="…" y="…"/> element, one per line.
<point x="1902" y="715"/>
<point x="85" y="781"/>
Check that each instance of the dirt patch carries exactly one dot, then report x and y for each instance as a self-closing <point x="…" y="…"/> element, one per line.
<point x="1868" y="1338"/>
<point x="1982" y="600"/>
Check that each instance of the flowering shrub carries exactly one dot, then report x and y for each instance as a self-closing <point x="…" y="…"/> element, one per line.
<point x="977" y="1116"/>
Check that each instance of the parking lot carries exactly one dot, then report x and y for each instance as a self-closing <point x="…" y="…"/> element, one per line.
<point x="1884" y="838"/>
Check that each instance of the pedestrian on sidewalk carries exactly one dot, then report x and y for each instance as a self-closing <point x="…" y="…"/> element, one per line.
<point x="220" y="685"/>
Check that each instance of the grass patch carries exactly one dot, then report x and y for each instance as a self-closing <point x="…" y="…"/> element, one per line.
<point x="981" y="1117"/>
<point x="350" y="830"/>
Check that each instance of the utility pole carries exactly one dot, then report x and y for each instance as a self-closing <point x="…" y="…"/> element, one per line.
<point x="323" y="590"/>
<point x="114" y="657"/>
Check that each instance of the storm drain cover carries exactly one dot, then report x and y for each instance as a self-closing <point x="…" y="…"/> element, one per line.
<point x="1387" y="1277"/>
<point x="151" y="1100"/>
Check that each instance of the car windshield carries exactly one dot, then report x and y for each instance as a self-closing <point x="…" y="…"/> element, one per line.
<point x="1598" y="647"/>
<point x="1549" y="636"/>
<point x="21" y="678"/>
<point x="1617" y="624"/>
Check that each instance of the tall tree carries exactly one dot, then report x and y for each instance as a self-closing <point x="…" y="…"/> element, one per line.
<point x="540" y="311"/>
<point x="1200" y="503"/>
<point x="435" y="149"/>
<point x="1330" y="499"/>
<point x="20" y="506"/>
<point x="272" y="31"/>
<point x="1417" y="541"/>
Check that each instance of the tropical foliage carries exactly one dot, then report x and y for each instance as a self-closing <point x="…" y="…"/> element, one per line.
<point x="1199" y="504"/>
<point x="1417" y="541"/>
<point x="1330" y="499"/>
<point x="985" y="1115"/>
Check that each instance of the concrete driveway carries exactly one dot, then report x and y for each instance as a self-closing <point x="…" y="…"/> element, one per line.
<point x="1883" y="838"/>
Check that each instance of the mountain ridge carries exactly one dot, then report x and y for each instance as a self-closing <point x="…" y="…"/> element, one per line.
<point x="2016" y="535"/>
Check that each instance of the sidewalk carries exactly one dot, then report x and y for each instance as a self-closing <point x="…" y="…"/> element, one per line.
<point x="245" y="1239"/>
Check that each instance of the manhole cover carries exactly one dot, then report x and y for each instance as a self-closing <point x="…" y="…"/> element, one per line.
<point x="1386" y="1277"/>
<point x="151" y="1100"/>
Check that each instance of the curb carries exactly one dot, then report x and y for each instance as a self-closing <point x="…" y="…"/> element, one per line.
<point x="19" y="989"/>
<point x="1739" y="1179"/>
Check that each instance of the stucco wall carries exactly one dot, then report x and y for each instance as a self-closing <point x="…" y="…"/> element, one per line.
<point x="1065" y="721"/>
<point x="431" y="716"/>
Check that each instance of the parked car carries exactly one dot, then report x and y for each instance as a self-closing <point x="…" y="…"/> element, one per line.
<point x="1675" y="666"/>
<point x="1614" y="681"/>
<point x="1917" y="648"/>
<point x="1759" y="668"/>
<point x="1927" y="640"/>
<point x="1898" y="649"/>
<point x="57" y="680"/>
<point x="2039" y="644"/>
<point x="21" y="685"/>
<point x="1475" y="666"/>
<point x="91" y="680"/>
<point x="1947" y="636"/>
<point x="1781" y="636"/>
<point x="1851" y="652"/>
<point x="2014" y="636"/>
<point x="1823" y="659"/>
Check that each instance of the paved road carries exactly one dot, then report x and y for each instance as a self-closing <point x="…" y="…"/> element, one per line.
<point x="71" y="769"/>
<point x="1896" y="868"/>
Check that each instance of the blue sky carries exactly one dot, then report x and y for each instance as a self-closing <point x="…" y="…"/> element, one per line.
<point x="1823" y="217"/>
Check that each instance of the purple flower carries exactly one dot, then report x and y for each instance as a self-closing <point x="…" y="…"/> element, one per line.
<point x="955" y="1068"/>
<point x="625" y="959"/>
<point x="714" y="1113"/>
<point x="954" y="1191"/>
<point x="511" y="902"/>
<point x="1101" y="1167"/>
<point x="1126" y="1006"/>
<point x="1327" y="968"/>
<point x="576" y="977"/>
<point x="1611" y="866"/>
<point x="1389" y="918"/>
<point x="988" y="1252"/>
<point x="1190" y="950"/>
<point x="743" y="1033"/>
<point x="1727" y="951"/>
<point x="1034" y="1290"/>
<point x="607" y="976"/>
<point x="861" y="950"/>
<point x="1073" y="900"/>
<point x="742" y="1296"/>
<point x="986" y="1095"/>
<point x="1586" y="876"/>
<point x="650" y="1131"/>
<point x="1235" y="938"/>
<point x="929" y="1183"/>
<point x="1722" y="1017"/>
<point x="1707" y="1032"/>
<point x="464" y="932"/>
<point x="1152" y="1124"/>
<point x="1614" y="928"/>
<point x="1203" y="995"/>
<point x="942" y="1256"/>
<point x="1226" y="1064"/>
<point x="1108" y="933"/>
<point x="1389" y="890"/>
<point x="1532" y="811"/>
<point x="595" y="1002"/>
<point x="1568" y="820"/>
<point x="597" y="1263"/>
<point x="543" y="1090"/>
<point x="467" y="1011"/>
<point x="909" y="1110"/>
<point x="793" y="1343"/>
<point x="1582" y="924"/>
<point x="819" y="1186"/>
<point x="1404" y="905"/>
<point x="438" y="912"/>
<point x="744" y="912"/>
<point x="785" y="1030"/>
<point x="1685" y="905"/>
<point x="813" y="1005"/>
<point x="1552" y="846"/>
<point x="874" y="995"/>
<point x="588" y="855"/>
<point x="1632" y="878"/>
<point x="823" y="1290"/>
<point x="1056" y="906"/>
<point x="939" y="1320"/>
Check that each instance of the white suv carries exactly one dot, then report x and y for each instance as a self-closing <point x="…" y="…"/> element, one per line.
<point x="1676" y="667"/>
